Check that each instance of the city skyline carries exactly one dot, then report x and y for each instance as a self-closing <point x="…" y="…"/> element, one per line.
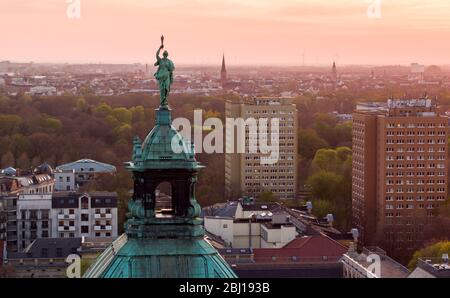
<point x="198" y="32"/>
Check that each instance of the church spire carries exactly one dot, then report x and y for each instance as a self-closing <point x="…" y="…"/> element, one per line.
<point x="223" y="72"/>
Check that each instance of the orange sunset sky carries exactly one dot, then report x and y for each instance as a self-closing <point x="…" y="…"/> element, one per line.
<point x="265" y="32"/>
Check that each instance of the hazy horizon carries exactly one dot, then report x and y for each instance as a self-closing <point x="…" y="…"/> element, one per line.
<point x="251" y="32"/>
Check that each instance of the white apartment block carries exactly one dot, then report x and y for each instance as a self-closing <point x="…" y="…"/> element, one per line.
<point x="33" y="218"/>
<point x="252" y="226"/>
<point x="84" y="214"/>
<point x="65" y="180"/>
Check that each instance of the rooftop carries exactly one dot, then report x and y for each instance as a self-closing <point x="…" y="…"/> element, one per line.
<point x="389" y="267"/>
<point x="87" y="165"/>
<point x="49" y="248"/>
<point x="432" y="267"/>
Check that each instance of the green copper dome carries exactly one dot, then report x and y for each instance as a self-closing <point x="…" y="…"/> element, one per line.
<point x="163" y="148"/>
<point x="161" y="258"/>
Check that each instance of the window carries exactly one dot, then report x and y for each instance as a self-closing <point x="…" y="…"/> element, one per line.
<point x="44" y="252"/>
<point x="84" y="217"/>
<point x="225" y="226"/>
<point x="108" y="234"/>
<point x="71" y="211"/>
<point x="59" y="252"/>
<point x="84" y="203"/>
<point x="84" y="229"/>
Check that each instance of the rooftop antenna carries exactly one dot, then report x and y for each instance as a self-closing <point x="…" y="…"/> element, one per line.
<point x="355" y="234"/>
<point x="445" y="258"/>
<point x="309" y="206"/>
<point x="330" y="219"/>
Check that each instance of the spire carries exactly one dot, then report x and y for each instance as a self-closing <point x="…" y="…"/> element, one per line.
<point x="223" y="72"/>
<point x="334" y="71"/>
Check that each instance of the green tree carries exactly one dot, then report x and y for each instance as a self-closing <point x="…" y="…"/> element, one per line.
<point x="81" y="104"/>
<point x="325" y="185"/>
<point x="9" y="124"/>
<point x="123" y="115"/>
<point x="321" y="208"/>
<point x="326" y="160"/>
<point x="103" y="110"/>
<point x="309" y="142"/>
<point x="266" y="197"/>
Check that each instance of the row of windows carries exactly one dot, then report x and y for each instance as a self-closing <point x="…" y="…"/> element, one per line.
<point x="413" y="133"/>
<point x="414" y="166"/>
<point x="416" y="190"/>
<point x="411" y="182"/>
<point x="411" y="141"/>
<point x="408" y="206"/>
<point x="415" y="125"/>
<point x="417" y="198"/>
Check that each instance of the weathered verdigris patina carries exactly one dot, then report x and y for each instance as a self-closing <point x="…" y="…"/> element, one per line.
<point x="164" y="74"/>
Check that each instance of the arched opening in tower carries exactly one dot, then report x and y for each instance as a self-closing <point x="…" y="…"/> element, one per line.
<point x="163" y="197"/>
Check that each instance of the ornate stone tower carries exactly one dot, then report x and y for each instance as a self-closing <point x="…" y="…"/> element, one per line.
<point x="162" y="243"/>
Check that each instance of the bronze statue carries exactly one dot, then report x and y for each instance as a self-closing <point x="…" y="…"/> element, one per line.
<point x="164" y="74"/>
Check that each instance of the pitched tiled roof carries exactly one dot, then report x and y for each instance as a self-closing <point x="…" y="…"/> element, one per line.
<point x="313" y="248"/>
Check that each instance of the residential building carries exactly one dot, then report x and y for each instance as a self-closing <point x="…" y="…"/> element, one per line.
<point x="252" y="226"/>
<point x="400" y="168"/>
<point x="373" y="262"/>
<point x="65" y="180"/>
<point x="245" y="173"/>
<point x="92" y="214"/>
<point x="44" y="258"/>
<point x="33" y="218"/>
<point x="309" y="256"/>
<point x="9" y="190"/>
<point x="87" y="170"/>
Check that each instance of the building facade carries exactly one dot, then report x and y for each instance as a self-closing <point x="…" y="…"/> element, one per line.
<point x="86" y="170"/>
<point x="33" y="218"/>
<point x="253" y="226"/>
<point x="91" y="214"/>
<point x="245" y="174"/>
<point x="399" y="172"/>
<point x="65" y="180"/>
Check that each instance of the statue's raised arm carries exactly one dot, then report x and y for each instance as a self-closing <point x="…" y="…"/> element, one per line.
<point x="157" y="55"/>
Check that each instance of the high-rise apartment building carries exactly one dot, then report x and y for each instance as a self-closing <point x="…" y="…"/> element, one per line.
<point x="245" y="174"/>
<point x="399" y="171"/>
